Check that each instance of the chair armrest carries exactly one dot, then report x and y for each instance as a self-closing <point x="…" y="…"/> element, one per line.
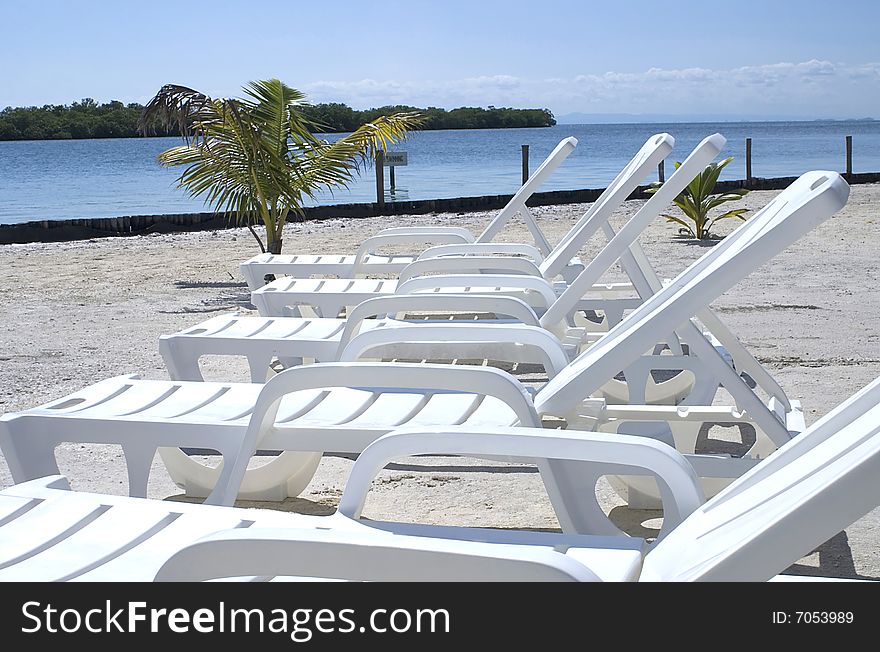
<point x="485" y="249"/>
<point x="447" y="282"/>
<point x="395" y="304"/>
<point x="463" y="233"/>
<point x="371" y="245"/>
<point x="501" y="342"/>
<point x="470" y="264"/>
<point x="679" y="484"/>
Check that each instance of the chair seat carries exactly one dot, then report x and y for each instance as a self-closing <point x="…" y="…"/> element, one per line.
<point x="304" y="265"/>
<point x="56" y="535"/>
<point x="209" y="415"/>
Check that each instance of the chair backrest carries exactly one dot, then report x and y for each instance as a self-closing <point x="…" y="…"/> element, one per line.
<point x="808" y="201"/>
<point x="622" y="241"/>
<point x="517" y="203"/>
<point x="655" y="149"/>
<point x="799" y="497"/>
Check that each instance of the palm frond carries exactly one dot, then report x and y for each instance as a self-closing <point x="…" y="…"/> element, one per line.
<point x="274" y="105"/>
<point x="734" y="213"/>
<point x="677" y="220"/>
<point x="717" y="200"/>
<point x="737" y="213"/>
<point x="174" y="106"/>
<point x="709" y="177"/>
<point x="335" y="164"/>
<point x="228" y="167"/>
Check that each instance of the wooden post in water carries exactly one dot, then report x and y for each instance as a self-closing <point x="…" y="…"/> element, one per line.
<point x="748" y="159"/>
<point x="848" y="156"/>
<point x="391" y="177"/>
<point x="380" y="178"/>
<point x="525" y="163"/>
<point x="661" y="171"/>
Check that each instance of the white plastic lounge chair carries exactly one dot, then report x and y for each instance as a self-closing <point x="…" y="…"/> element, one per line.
<point x="329" y="297"/>
<point x="295" y="339"/>
<point x="765" y="521"/>
<point x="368" y="261"/>
<point x="343" y="406"/>
<point x="786" y="506"/>
<point x="47" y="533"/>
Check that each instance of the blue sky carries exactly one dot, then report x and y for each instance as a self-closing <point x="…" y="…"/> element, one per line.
<point x="745" y="58"/>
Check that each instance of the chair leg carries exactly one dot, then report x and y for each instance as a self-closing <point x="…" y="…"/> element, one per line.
<point x="571" y="486"/>
<point x="28" y="455"/>
<point x="138" y="461"/>
<point x="182" y="362"/>
<point x="259" y="367"/>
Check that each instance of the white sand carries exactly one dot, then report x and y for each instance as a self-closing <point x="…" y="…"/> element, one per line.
<point x="75" y="313"/>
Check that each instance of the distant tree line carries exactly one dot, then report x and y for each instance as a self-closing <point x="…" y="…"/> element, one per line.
<point x="85" y="119"/>
<point x="336" y="117"/>
<point x="88" y="119"/>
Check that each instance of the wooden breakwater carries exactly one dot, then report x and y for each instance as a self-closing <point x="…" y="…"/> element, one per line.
<point x="82" y="229"/>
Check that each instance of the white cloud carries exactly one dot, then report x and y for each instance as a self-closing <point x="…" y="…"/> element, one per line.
<point x="496" y="81"/>
<point x="811" y="88"/>
<point x="865" y="71"/>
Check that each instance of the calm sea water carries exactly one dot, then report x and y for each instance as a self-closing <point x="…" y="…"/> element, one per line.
<point x="47" y="180"/>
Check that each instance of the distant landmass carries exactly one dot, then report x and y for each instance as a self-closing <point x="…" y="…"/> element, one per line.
<point x="628" y="118"/>
<point x="88" y="119"/>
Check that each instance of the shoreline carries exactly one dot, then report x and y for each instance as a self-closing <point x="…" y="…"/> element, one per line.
<point x="76" y="312"/>
<point x="71" y="229"/>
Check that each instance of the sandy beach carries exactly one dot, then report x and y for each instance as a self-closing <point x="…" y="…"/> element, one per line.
<point x="75" y="313"/>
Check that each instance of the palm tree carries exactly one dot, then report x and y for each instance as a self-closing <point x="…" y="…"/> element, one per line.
<point x="256" y="158"/>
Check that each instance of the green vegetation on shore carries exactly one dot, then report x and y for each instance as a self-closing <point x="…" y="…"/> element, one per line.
<point x="88" y="119"/>
<point x="341" y="118"/>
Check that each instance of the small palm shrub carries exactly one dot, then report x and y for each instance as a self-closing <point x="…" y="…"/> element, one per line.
<point x="696" y="200"/>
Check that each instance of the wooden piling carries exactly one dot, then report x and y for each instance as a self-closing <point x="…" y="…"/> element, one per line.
<point x="748" y="159"/>
<point x="849" y="156"/>
<point x="380" y="178"/>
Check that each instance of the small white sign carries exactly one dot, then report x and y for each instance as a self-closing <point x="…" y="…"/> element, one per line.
<point x="395" y="159"/>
